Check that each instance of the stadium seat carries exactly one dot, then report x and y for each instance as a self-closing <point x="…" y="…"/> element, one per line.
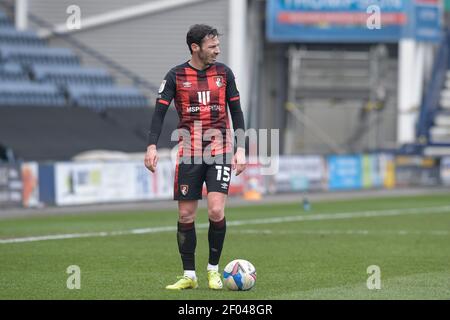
<point x="99" y="97"/>
<point x="4" y="20"/>
<point x="12" y="72"/>
<point x="11" y="36"/>
<point x="63" y="75"/>
<point x="24" y="93"/>
<point x="42" y="55"/>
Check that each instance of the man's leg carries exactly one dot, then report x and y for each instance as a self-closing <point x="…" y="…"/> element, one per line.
<point x="217" y="225"/>
<point x="216" y="236"/>
<point x="188" y="185"/>
<point x="187" y="241"/>
<point x="186" y="236"/>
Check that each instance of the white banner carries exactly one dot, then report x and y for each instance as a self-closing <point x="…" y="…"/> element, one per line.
<point x="99" y="182"/>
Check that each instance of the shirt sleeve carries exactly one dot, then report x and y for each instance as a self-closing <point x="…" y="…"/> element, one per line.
<point x="168" y="88"/>
<point x="232" y="93"/>
<point x="234" y="104"/>
<point x="166" y="93"/>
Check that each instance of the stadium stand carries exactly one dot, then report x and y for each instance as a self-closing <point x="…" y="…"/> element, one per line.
<point x="53" y="108"/>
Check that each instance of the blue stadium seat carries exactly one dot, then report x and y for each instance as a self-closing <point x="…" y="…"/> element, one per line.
<point x="100" y="97"/>
<point x="28" y="55"/>
<point x="12" y="72"/>
<point x="11" y="36"/>
<point x="26" y="94"/>
<point x="63" y="75"/>
<point x="4" y="20"/>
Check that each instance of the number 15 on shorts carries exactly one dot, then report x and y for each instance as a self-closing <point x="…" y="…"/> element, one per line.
<point x="223" y="173"/>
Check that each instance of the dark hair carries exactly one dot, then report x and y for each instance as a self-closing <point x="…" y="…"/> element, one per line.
<point x="198" y="32"/>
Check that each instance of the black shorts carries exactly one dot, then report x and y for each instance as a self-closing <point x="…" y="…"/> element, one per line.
<point x="189" y="178"/>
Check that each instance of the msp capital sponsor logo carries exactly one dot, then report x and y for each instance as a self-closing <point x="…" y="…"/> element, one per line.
<point x="187" y="84"/>
<point x="213" y="107"/>
<point x="184" y="188"/>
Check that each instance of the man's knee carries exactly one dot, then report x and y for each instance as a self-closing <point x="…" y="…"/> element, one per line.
<point x="186" y="216"/>
<point x="216" y="212"/>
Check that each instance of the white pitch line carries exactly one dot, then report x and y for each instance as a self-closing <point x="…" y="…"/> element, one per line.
<point x="311" y="217"/>
<point x="345" y="232"/>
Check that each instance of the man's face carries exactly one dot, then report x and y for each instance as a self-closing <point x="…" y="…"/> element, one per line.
<point x="209" y="50"/>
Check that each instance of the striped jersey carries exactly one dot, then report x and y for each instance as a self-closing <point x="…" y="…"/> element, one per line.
<point x="201" y="99"/>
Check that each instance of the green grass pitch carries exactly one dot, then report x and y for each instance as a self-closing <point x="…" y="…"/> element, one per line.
<point x="320" y="254"/>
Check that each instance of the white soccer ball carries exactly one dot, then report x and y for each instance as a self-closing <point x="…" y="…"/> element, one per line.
<point x="239" y="275"/>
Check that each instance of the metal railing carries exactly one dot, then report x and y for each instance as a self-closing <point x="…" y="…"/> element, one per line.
<point x="432" y="95"/>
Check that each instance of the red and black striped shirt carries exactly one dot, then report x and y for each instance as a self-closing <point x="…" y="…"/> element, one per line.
<point x="202" y="98"/>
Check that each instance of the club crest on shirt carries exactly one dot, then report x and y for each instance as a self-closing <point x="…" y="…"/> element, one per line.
<point x="184" y="188"/>
<point x="163" y="85"/>
<point x="219" y="81"/>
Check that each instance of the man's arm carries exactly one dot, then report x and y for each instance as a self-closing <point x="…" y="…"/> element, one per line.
<point x="165" y="95"/>
<point x="234" y="103"/>
<point x="237" y="117"/>
<point x="157" y="122"/>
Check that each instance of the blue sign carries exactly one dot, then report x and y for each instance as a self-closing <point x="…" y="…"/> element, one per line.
<point x="345" y="172"/>
<point x="352" y="20"/>
<point x="428" y="20"/>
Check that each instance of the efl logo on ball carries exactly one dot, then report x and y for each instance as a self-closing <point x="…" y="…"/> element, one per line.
<point x="239" y="275"/>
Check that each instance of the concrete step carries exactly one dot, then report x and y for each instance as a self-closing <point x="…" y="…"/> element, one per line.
<point x="440" y="130"/>
<point x="442" y="119"/>
<point x="445" y="103"/>
<point x="445" y="94"/>
<point x="440" y="135"/>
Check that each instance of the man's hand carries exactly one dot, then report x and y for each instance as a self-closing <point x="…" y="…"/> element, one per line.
<point x="151" y="158"/>
<point x="238" y="161"/>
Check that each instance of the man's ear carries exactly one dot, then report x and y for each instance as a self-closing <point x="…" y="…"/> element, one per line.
<point x="195" y="47"/>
